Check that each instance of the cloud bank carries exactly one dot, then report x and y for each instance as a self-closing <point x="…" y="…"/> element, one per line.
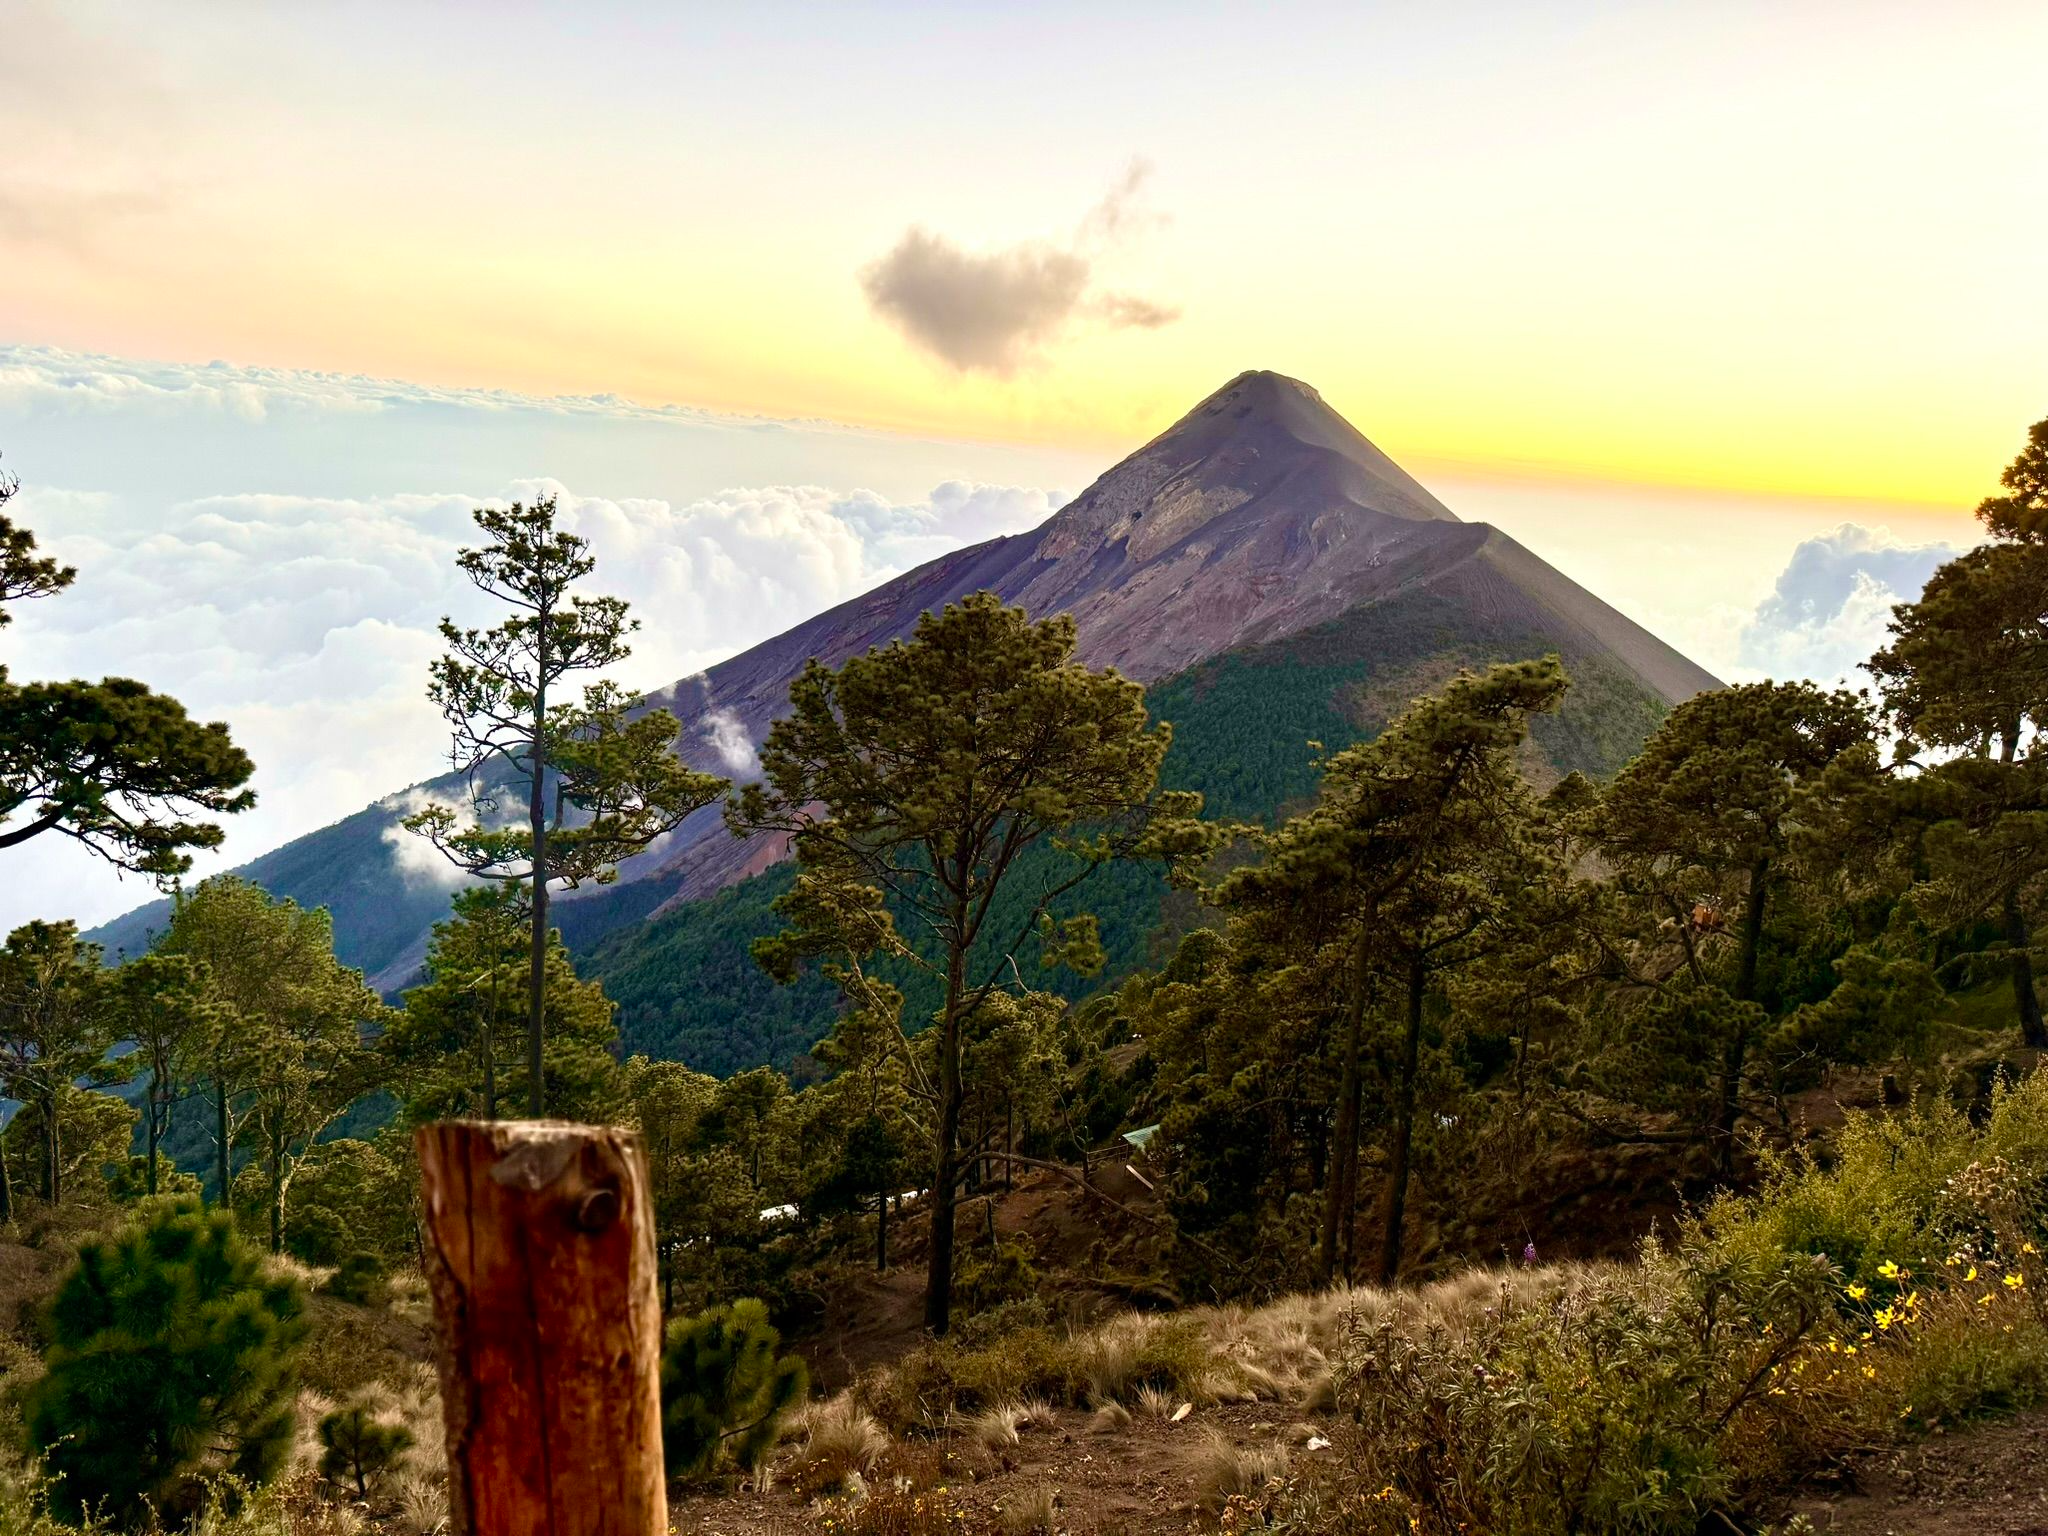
<point x="994" y="310"/>
<point x="1829" y="610"/>
<point x="307" y="622"/>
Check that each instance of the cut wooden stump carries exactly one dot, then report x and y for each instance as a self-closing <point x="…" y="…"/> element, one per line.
<point x="539" y="1239"/>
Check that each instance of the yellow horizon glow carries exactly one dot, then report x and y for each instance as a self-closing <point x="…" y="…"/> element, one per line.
<point x="1775" y="250"/>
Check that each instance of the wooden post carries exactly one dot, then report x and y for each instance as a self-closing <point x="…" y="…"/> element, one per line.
<point x="539" y="1243"/>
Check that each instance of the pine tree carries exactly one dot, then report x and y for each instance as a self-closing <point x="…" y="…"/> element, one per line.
<point x="283" y="1049"/>
<point x="1699" y="832"/>
<point x="912" y="781"/>
<point x="120" y="770"/>
<point x="358" y="1447"/>
<point x="54" y="1030"/>
<point x="158" y="1002"/>
<point x="1406" y="855"/>
<point x="609" y="763"/>
<point x="172" y="1354"/>
<point x="1966" y="674"/>
<point x="724" y="1390"/>
<point x="458" y="1049"/>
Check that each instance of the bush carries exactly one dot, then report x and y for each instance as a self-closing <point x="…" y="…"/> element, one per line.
<point x="172" y="1358"/>
<point x="316" y="1234"/>
<point x="358" y="1447"/>
<point x="992" y="1275"/>
<point x="1601" y="1410"/>
<point x="358" y="1279"/>
<point x="129" y="1182"/>
<point x="724" y="1391"/>
<point x="1899" y="1285"/>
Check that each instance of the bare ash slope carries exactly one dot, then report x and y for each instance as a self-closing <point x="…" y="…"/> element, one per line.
<point x="1261" y="513"/>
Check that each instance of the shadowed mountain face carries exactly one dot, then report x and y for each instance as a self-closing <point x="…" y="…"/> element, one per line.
<point x="1261" y="514"/>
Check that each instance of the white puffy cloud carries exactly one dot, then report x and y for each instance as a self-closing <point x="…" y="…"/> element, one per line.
<point x="1828" y="611"/>
<point x="307" y="622"/>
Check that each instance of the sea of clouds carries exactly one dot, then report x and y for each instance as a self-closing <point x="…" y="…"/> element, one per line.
<point x="276" y="548"/>
<point x="307" y="621"/>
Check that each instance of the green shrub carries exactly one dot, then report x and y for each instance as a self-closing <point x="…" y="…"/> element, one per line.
<point x="989" y="1275"/>
<point x="358" y="1279"/>
<point x="172" y="1358"/>
<point x="1899" y="1284"/>
<point x="1883" y="1196"/>
<point x="316" y="1234"/>
<point x="1600" y="1410"/>
<point x="724" y="1390"/>
<point x="129" y="1182"/>
<point x="357" y="1447"/>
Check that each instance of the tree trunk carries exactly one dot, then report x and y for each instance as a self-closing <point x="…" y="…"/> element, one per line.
<point x="156" y="1132"/>
<point x="938" y="1290"/>
<point x="1404" y="1124"/>
<point x="540" y="1255"/>
<point x="1736" y="1056"/>
<point x="52" y="1177"/>
<point x="276" y="1193"/>
<point x="220" y="1135"/>
<point x="2028" y="1001"/>
<point x="6" y="1188"/>
<point x="1342" y="1162"/>
<point x="491" y="1055"/>
<point x="537" y="959"/>
<point x="882" y="1230"/>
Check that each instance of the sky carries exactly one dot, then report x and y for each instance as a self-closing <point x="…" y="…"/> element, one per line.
<point x="1728" y="310"/>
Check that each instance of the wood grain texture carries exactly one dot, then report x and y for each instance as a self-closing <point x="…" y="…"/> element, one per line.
<point x="540" y="1253"/>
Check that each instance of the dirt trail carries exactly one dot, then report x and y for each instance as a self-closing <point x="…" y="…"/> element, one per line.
<point x="1986" y="1480"/>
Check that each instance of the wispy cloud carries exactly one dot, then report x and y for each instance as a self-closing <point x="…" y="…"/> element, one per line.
<point x="993" y="310"/>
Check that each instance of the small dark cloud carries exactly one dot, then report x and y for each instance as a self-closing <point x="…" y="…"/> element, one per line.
<point x="993" y="310"/>
<point x="1127" y="309"/>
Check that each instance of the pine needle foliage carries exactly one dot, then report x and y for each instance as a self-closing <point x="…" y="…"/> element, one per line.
<point x="358" y="1449"/>
<point x="172" y="1359"/>
<point x="724" y="1390"/>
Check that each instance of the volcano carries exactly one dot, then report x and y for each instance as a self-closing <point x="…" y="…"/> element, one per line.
<point x="1269" y="574"/>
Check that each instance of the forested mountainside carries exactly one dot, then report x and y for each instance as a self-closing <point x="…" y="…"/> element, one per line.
<point x="1243" y="727"/>
<point x="1269" y="574"/>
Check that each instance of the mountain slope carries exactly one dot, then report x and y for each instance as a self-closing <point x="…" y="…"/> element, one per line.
<point x="1242" y="722"/>
<point x="1260" y="515"/>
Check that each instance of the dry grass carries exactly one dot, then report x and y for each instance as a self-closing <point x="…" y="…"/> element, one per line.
<point x="1032" y="1511"/>
<point x="996" y="1428"/>
<point x="1224" y="1470"/>
<point x="1108" y="1418"/>
<point x="1153" y="1403"/>
<point x="1280" y="1353"/>
<point x="837" y="1444"/>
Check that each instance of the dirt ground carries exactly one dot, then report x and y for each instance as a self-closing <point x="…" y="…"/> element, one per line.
<point x="1141" y="1477"/>
<point x="1986" y="1480"/>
